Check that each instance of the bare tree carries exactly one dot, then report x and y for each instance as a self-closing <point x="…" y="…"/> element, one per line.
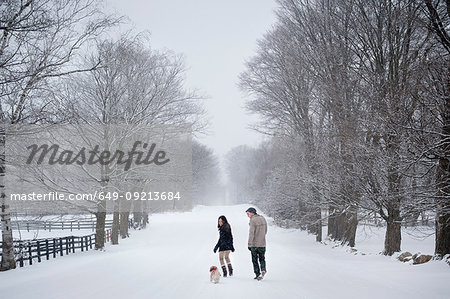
<point x="39" y="43"/>
<point x="390" y="42"/>
<point x="134" y="86"/>
<point x="325" y="27"/>
<point x="438" y="17"/>
<point x="282" y="88"/>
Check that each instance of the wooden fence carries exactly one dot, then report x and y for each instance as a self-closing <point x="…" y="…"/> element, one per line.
<point x="59" y="225"/>
<point x="26" y="251"/>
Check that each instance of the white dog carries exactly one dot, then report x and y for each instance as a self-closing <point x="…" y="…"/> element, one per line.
<point x="215" y="274"/>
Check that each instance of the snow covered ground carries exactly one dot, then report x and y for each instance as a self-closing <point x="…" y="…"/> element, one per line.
<point x="54" y="233"/>
<point x="171" y="259"/>
<point x="370" y="239"/>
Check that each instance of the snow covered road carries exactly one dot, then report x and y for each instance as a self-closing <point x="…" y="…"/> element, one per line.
<point x="171" y="259"/>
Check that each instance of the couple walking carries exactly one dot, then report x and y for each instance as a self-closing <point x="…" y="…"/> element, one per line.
<point x="256" y="243"/>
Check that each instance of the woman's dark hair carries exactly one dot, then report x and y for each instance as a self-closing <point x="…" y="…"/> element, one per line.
<point x="224" y="221"/>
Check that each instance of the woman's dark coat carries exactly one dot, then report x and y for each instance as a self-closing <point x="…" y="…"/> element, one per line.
<point x="226" y="239"/>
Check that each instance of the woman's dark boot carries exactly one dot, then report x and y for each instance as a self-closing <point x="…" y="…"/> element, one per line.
<point x="224" y="270"/>
<point x="230" y="269"/>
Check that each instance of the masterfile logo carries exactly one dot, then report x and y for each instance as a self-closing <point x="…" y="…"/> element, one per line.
<point x="55" y="156"/>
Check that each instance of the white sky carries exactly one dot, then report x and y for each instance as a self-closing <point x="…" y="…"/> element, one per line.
<point x="216" y="37"/>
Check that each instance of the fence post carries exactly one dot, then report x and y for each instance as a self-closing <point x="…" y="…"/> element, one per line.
<point x="78" y="224"/>
<point x="81" y="240"/>
<point x="21" y="253"/>
<point x="38" y="251"/>
<point x="61" y="247"/>
<point x="46" y="249"/>
<point x="28" y="226"/>
<point x="67" y="245"/>
<point x="73" y="244"/>
<point x="90" y="242"/>
<point x="30" y="254"/>
<point x="54" y="248"/>
<point x="71" y="224"/>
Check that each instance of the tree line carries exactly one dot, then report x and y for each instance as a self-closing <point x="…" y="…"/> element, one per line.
<point x="354" y="98"/>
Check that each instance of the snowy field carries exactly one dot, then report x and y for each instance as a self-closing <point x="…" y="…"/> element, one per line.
<point x="171" y="259"/>
<point x="55" y="233"/>
<point x="23" y="234"/>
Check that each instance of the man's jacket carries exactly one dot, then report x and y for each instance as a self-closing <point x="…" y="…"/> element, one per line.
<point x="258" y="230"/>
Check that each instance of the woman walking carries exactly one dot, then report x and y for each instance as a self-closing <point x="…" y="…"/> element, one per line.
<point x="224" y="245"/>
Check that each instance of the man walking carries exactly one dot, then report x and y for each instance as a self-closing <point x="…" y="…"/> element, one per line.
<point x="257" y="242"/>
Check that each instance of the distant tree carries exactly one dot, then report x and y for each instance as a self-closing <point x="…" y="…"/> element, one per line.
<point x="207" y="186"/>
<point x="241" y="167"/>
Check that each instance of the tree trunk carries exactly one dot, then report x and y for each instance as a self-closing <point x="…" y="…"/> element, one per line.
<point x="145" y="214"/>
<point x="144" y="219"/>
<point x="8" y="262"/>
<point x="350" y="226"/>
<point x="115" y="225"/>
<point x="100" y="225"/>
<point x="443" y="230"/>
<point x="343" y="226"/>
<point x="393" y="238"/>
<point x="319" y="224"/>
<point x="332" y="222"/>
<point x="443" y="183"/>
<point x="124" y="224"/>
<point x="137" y="213"/>
<point x="443" y="202"/>
<point x="350" y="197"/>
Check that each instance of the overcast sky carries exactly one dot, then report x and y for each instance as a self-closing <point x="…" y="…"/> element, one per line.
<point x="216" y="37"/>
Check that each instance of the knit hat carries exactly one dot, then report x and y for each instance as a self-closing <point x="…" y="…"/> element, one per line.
<point x="251" y="210"/>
